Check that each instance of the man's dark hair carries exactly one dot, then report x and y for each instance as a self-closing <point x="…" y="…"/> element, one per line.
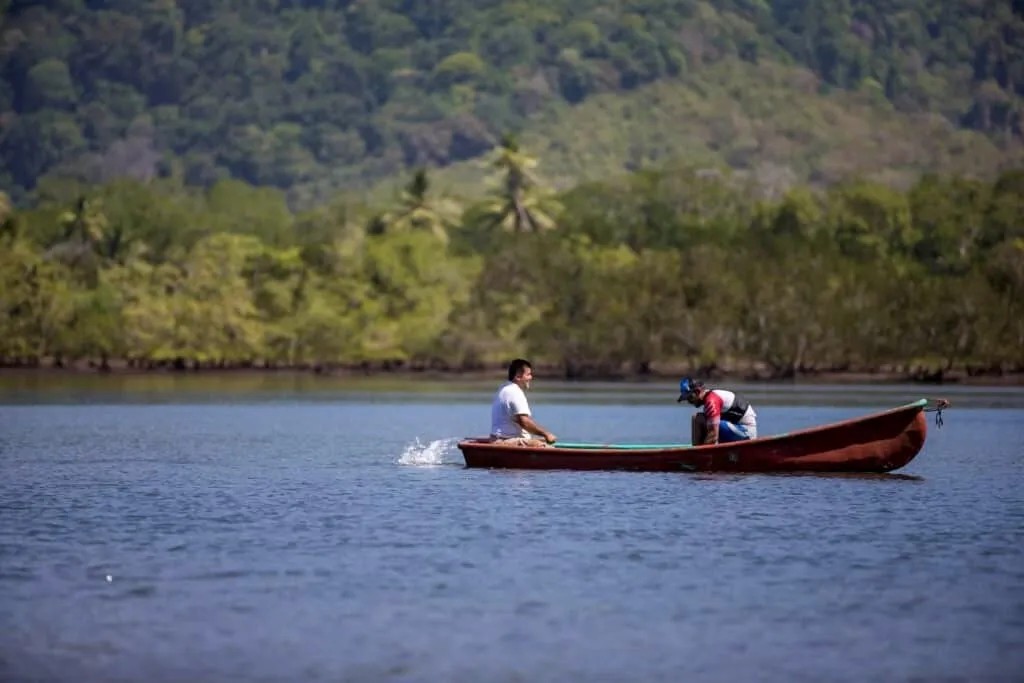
<point x="517" y="366"/>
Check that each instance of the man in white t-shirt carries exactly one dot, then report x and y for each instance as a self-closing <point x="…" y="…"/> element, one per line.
<point x="511" y="422"/>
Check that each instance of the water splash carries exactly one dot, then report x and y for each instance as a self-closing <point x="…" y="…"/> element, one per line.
<point x="434" y="453"/>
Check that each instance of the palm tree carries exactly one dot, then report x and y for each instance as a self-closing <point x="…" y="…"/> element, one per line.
<point x="517" y="204"/>
<point x="417" y="211"/>
<point x="84" y="227"/>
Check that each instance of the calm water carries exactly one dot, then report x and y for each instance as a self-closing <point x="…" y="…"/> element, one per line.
<point x="283" y="530"/>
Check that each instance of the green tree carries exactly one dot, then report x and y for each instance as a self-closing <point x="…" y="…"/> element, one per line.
<point x="416" y="210"/>
<point x="35" y="304"/>
<point x="93" y="329"/>
<point x="872" y="221"/>
<point x="216" y="320"/>
<point x="83" y="229"/>
<point x="258" y="211"/>
<point x="517" y="202"/>
<point x="460" y="67"/>
<point x="949" y="216"/>
<point x="414" y="287"/>
<point x="49" y="85"/>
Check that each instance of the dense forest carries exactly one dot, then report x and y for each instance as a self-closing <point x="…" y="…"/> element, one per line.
<point x="772" y="188"/>
<point x="310" y="96"/>
<point x="650" y="271"/>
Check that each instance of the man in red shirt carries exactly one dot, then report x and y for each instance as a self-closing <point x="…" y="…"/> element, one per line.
<point x="728" y="416"/>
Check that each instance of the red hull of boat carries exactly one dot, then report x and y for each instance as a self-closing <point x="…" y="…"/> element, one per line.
<point x="881" y="442"/>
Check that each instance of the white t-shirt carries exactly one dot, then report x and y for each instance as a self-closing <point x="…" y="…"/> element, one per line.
<point x="510" y="400"/>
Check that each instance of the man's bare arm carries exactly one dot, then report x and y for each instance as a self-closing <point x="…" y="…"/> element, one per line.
<point x="527" y="423"/>
<point x="712" y="435"/>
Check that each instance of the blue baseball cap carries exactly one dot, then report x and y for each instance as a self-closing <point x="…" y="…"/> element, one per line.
<point x="686" y="387"/>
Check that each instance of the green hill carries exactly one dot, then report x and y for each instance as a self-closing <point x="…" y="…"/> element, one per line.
<point x="764" y="120"/>
<point x="315" y="95"/>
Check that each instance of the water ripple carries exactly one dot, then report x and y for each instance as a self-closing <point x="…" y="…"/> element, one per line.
<point x="346" y="542"/>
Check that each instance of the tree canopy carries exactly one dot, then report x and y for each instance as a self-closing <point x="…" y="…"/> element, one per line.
<point x="311" y="95"/>
<point x="657" y="269"/>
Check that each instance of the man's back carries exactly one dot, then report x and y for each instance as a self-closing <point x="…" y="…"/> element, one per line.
<point x="509" y="401"/>
<point x="730" y="407"/>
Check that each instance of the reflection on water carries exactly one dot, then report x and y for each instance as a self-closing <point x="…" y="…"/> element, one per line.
<point x="862" y="476"/>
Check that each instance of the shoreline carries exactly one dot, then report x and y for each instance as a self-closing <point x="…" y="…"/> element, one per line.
<point x="490" y="373"/>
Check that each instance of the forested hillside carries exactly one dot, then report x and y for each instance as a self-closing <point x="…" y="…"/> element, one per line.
<point x="312" y="95"/>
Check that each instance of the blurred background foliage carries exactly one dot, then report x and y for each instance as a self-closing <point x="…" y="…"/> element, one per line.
<point x="786" y="187"/>
<point x="653" y="270"/>
<point x="313" y="96"/>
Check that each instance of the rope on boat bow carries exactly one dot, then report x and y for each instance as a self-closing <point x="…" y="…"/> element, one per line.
<point x="940" y="405"/>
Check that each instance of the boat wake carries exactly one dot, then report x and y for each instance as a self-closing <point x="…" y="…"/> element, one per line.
<point x="437" y="452"/>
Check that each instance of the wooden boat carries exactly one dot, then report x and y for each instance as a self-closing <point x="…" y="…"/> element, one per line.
<point x="880" y="442"/>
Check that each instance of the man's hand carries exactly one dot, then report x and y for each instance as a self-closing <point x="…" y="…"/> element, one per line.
<point x="527" y="423"/>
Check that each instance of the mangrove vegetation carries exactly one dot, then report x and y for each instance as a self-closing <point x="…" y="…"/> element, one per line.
<point x="649" y="271"/>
